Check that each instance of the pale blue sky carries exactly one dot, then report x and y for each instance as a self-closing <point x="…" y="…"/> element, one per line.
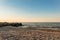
<point x="34" y="9"/>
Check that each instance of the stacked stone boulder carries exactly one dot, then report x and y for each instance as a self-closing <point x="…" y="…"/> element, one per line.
<point x="3" y="24"/>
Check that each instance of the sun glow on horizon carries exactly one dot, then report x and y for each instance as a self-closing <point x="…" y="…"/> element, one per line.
<point x="29" y="20"/>
<point x="29" y="11"/>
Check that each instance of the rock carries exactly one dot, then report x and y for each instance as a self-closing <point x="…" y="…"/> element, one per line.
<point x="16" y="24"/>
<point x="10" y="24"/>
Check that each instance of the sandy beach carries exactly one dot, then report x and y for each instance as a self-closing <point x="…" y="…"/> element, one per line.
<point x="30" y="34"/>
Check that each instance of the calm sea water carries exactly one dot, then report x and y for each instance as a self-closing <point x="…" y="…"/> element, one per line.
<point x="40" y="25"/>
<point x="43" y="24"/>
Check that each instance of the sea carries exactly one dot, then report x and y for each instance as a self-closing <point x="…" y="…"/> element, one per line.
<point x="42" y="24"/>
<point x="38" y="25"/>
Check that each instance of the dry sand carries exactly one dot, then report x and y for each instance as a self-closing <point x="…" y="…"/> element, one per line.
<point x="30" y="34"/>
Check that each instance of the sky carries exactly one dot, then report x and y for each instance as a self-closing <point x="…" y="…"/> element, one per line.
<point x="29" y="10"/>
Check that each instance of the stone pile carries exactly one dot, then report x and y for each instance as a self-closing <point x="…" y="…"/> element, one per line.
<point x="10" y="24"/>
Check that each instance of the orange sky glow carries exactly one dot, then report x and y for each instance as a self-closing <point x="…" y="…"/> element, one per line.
<point x="30" y="20"/>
